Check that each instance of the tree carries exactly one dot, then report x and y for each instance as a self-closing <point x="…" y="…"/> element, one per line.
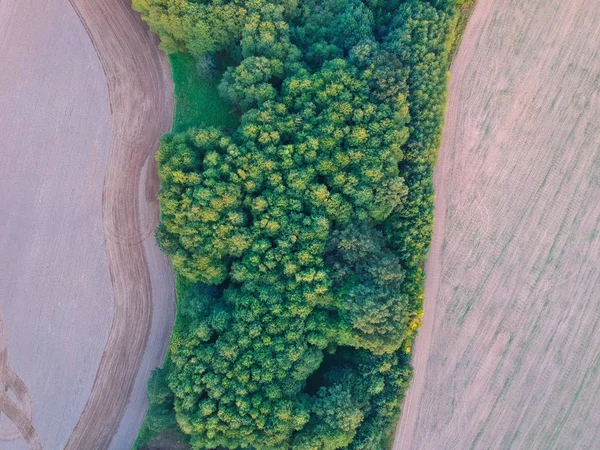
<point x="299" y="236"/>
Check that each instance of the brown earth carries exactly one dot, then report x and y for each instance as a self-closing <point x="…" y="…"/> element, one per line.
<point x="141" y="103"/>
<point x="81" y="280"/>
<point x="507" y="357"/>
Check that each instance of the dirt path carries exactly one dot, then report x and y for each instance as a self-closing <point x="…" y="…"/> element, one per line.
<point x="141" y="104"/>
<point x="508" y="353"/>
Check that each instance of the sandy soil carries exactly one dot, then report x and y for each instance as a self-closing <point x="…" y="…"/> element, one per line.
<point x="507" y="357"/>
<point x="82" y="103"/>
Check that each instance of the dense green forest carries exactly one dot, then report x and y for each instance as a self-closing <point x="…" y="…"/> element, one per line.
<point x="298" y="222"/>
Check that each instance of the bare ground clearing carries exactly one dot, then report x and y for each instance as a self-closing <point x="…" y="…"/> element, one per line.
<point x="82" y="108"/>
<point x="507" y="357"/>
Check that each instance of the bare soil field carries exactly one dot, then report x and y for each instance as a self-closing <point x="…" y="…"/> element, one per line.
<point x="508" y="356"/>
<point x="140" y="94"/>
<point x="86" y="297"/>
<point x="55" y="289"/>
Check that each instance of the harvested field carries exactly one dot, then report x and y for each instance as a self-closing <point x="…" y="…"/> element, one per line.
<point x="507" y="357"/>
<point x="84" y="289"/>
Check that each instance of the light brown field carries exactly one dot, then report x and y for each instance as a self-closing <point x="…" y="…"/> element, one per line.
<point x="509" y="353"/>
<point x="86" y="297"/>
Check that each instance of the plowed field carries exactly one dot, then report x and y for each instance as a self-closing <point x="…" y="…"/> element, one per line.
<point x="86" y="297"/>
<point x="508" y="356"/>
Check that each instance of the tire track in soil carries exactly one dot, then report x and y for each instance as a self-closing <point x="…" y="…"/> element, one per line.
<point x="141" y="106"/>
<point x="19" y="412"/>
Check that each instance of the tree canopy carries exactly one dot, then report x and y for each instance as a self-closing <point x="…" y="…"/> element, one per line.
<point x="298" y="236"/>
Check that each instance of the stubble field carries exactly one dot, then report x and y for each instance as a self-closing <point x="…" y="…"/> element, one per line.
<point x="507" y="357"/>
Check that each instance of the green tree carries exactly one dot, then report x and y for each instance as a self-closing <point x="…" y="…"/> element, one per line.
<point x="299" y="236"/>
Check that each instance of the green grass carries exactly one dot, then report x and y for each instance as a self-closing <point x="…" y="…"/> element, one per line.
<point x="197" y="100"/>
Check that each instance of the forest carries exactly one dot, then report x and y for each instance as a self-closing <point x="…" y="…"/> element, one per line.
<point x="298" y="223"/>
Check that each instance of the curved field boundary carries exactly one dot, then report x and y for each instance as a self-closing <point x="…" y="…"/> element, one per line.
<point x="141" y="106"/>
<point x="507" y="357"/>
